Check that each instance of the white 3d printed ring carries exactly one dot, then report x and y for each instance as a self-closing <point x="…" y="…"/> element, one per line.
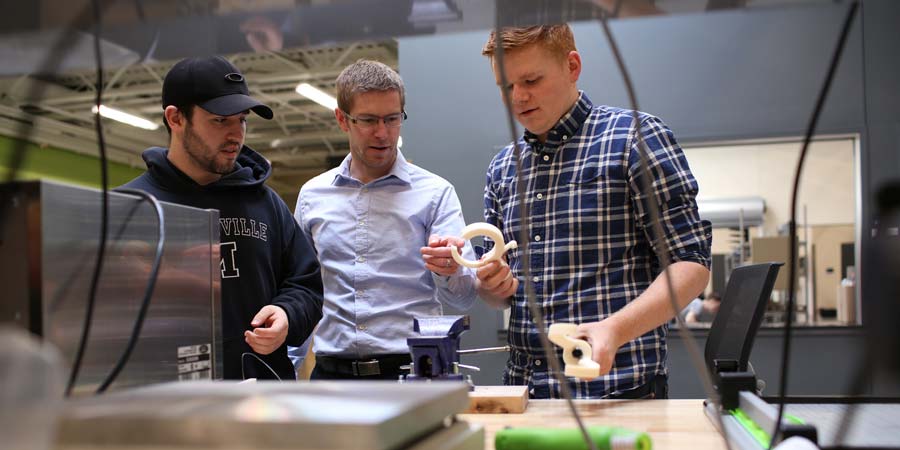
<point x="487" y="230"/>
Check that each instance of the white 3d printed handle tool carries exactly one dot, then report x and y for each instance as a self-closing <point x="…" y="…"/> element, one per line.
<point x="576" y="352"/>
<point x="490" y="231"/>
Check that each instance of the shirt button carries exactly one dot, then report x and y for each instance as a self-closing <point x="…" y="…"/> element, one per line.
<point x="360" y="259"/>
<point x="365" y="190"/>
<point x="537" y="238"/>
<point x="537" y="362"/>
<point x="546" y="157"/>
<point x="535" y="278"/>
<point x="362" y="222"/>
<point x="565" y="136"/>
<point x="540" y="196"/>
<point x="361" y="327"/>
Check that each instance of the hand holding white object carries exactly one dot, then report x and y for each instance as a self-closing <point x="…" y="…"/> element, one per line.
<point x="576" y="352"/>
<point x="490" y="231"/>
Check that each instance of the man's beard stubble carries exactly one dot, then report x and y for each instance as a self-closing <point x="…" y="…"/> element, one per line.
<point x="202" y="154"/>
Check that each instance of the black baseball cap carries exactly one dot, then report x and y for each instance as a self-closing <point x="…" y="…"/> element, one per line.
<point x="213" y="84"/>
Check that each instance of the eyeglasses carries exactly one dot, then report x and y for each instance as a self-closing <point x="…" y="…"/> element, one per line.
<point x="367" y="122"/>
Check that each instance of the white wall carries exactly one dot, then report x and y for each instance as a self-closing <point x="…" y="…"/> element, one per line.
<point x="827" y="186"/>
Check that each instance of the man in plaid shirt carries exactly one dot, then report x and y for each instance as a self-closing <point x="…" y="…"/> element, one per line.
<point x="591" y="240"/>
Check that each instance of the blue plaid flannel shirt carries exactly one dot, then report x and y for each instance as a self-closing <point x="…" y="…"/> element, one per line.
<point x="590" y="236"/>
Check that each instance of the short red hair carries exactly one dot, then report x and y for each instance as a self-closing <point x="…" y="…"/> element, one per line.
<point x="558" y="39"/>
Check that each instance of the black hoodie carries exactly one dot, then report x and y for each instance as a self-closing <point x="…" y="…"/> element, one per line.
<point x="265" y="258"/>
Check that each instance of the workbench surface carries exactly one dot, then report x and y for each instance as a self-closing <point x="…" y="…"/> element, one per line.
<point x="672" y="424"/>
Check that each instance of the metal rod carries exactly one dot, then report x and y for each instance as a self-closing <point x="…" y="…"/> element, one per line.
<point x="472" y="368"/>
<point x="741" y="240"/>
<point x="810" y="263"/>
<point x="505" y="348"/>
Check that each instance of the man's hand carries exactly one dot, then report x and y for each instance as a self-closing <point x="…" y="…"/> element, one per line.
<point x="496" y="283"/>
<point x="650" y="310"/>
<point x="437" y="255"/>
<point x="604" y="340"/>
<point x="270" y="329"/>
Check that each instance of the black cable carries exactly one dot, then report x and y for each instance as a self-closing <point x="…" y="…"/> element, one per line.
<point x="246" y="354"/>
<point x="161" y="234"/>
<point x="104" y="215"/>
<point x="148" y="293"/>
<point x="660" y="245"/>
<point x="537" y="315"/>
<point x="792" y="225"/>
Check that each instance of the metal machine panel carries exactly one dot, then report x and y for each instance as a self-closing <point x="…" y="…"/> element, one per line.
<point x="360" y="415"/>
<point x="48" y="249"/>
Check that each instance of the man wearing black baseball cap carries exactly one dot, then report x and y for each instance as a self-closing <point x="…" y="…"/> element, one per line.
<point x="271" y="286"/>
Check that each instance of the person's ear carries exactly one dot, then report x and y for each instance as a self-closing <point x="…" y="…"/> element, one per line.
<point x="175" y="118"/>
<point x="342" y="120"/>
<point x="573" y="65"/>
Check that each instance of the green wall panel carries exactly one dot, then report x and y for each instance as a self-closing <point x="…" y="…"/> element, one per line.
<point x="62" y="165"/>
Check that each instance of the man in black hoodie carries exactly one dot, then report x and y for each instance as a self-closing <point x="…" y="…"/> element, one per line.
<point x="271" y="285"/>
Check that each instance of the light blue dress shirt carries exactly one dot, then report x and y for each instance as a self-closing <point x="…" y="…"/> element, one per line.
<point x="367" y="237"/>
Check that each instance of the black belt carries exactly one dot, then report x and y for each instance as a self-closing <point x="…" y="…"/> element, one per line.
<point x="376" y="365"/>
<point x="657" y="387"/>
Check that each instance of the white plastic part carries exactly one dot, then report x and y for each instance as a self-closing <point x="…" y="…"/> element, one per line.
<point x="796" y="443"/>
<point x="490" y="231"/>
<point x="580" y="367"/>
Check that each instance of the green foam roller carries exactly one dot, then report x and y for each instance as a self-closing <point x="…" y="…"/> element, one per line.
<point x="605" y="438"/>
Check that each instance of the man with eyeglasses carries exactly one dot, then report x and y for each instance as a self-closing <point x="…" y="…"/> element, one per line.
<point x="372" y="221"/>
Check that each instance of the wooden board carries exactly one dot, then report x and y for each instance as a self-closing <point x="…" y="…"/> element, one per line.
<point x="498" y="400"/>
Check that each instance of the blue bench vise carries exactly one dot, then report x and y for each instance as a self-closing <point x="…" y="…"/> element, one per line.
<point x="435" y="352"/>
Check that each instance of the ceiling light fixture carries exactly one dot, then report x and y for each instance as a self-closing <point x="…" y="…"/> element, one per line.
<point x="124" y="117"/>
<point x="317" y="95"/>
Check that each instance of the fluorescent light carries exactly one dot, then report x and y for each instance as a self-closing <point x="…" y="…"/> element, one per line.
<point x="124" y="117"/>
<point x="317" y="95"/>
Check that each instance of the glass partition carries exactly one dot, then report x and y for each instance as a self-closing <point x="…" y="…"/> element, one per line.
<point x="745" y="193"/>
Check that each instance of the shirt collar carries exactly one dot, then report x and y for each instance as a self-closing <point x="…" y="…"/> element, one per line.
<point x="567" y="125"/>
<point x="399" y="172"/>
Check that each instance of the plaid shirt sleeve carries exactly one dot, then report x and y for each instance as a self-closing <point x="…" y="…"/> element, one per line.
<point x="687" y="237"/>
<point x="492" y="213"/>
<point x="493" y="204"/>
